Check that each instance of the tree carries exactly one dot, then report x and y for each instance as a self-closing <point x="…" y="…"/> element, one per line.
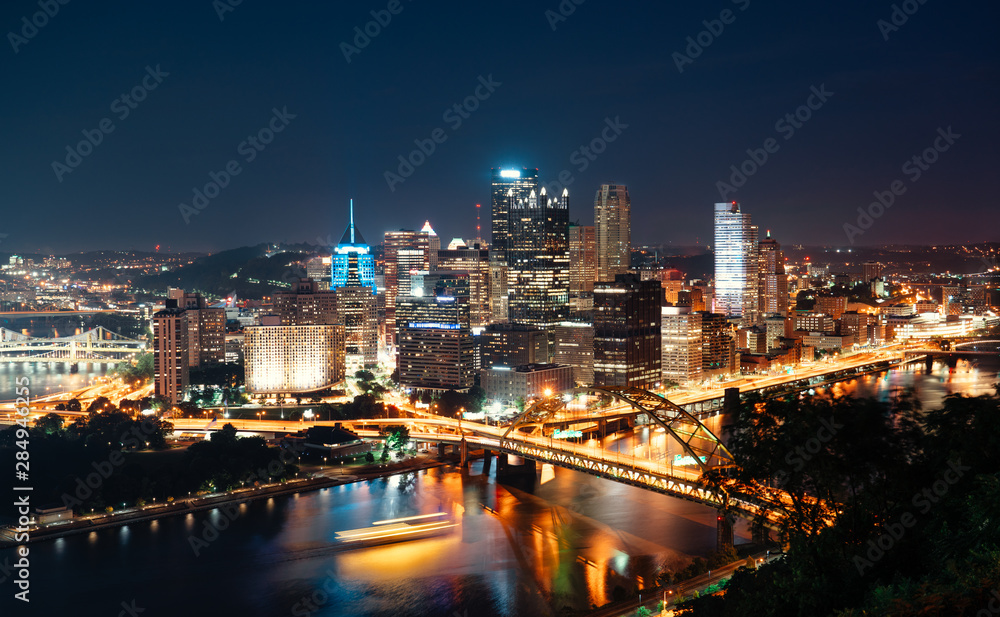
<point x="396" y="437"/>
<point x="73" y="405"/>
<point x="49" y="424"/>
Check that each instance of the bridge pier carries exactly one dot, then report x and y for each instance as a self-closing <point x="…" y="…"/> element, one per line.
<point x="760" y="534"/>
<point x="731" y="402"/>
<point x="487" y="462"/>
<point x="463" y="454"/>
<point x="506" y="470"/>
<point x="929" y="363"/>
<point x="724" y="530"/>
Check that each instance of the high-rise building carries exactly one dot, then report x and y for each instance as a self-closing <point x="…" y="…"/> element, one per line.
<point x="435" y="345"/>
<point x="353" y="258"/>
<point x="736" y="269"/>
<point x="406" y="251"/>
<point x="613" y="220"/>
<point x="508" y="187"/>
<point x="871" y="270"/>
<point x="293" y="359"/>
<point x="718" y="345"/>
<point x="582" y="266"/>
<point x="574" y="345"/>
<point x="499" y="291"/>
<point x="512" y="345"/>
<point x="538" y="260"/>
<point x="206" y="329"/>
<point x="320" y="269"/>
<point x="476" y="261"/>
<point x="356" y="310"/>
<point x="627" y="332"/>
<point x="680" y="330"/>
<point x="171" y="363"/>
<point x="306" y="304"/>
<point x="772" y="283"/>
<point x="355" y="300"/>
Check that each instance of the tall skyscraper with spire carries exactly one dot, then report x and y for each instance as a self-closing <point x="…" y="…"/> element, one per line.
<point x="356" y="304"/>
<point x="353" y="258"/>
<point x="538" y="259"/>
<point x="613" y="220"/>
<point x="736" y="263"/>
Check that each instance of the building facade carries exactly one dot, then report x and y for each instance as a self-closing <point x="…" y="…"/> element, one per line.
<point x="613" y="222"/>
<point x="293" y="359"/>
<point x="574" y="346"/>
<point x="538" y="260"/>
<point x="736" y="263"/>
<point x="680" y="332"/>
<point x="171" y="354"/>
<point x="627" y="336"/>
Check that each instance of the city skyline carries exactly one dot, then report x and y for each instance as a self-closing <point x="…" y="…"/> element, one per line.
<point x="334" y="129"/>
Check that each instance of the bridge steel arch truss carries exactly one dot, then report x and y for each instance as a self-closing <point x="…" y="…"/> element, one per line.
<point x="694" y="437"/>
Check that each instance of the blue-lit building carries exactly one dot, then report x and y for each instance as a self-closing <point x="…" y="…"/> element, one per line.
<point x="353" y="262"/>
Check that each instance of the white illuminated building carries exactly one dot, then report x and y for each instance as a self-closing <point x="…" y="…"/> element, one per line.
<point x="736" y="263"/>
<point x="290" y="359"/>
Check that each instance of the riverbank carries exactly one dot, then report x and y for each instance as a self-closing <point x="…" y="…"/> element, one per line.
<point x="670" y="596"/>
<point x="326" y="479"/>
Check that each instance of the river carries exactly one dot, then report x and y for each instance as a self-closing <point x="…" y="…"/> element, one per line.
<point x="565" y="540"/>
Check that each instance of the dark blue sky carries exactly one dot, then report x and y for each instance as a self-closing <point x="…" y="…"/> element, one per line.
<point x="606" y="60"/>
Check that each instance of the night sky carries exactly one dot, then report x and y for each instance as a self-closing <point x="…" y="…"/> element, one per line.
<point x="558" y="89"/>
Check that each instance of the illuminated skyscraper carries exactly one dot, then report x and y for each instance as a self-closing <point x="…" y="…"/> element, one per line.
<point x="582" y="266"/>
<point x="475" y="261"/>
<point x="627" y="332"/>
<point x="538" y="259"/>
<point x="170" y="352"/>
<point x="436" y="350"/>
<point x="772" y="282"/>
<point x="736" y="259"/>
<point x="613" y="220"/>
<point x="406" y="251"/>
<point x="353" y="258"/>
<point x="680" y="330"/>
<point x="509" y="186"/>
<point x="355" y="297"/>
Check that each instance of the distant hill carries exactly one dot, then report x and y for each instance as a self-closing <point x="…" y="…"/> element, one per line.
<point x="248" y="271"/>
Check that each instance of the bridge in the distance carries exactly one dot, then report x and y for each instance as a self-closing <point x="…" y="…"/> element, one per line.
<point x="97" y="345"/>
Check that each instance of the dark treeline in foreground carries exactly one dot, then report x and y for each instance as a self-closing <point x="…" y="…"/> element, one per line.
<point x="913" y="496"/>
